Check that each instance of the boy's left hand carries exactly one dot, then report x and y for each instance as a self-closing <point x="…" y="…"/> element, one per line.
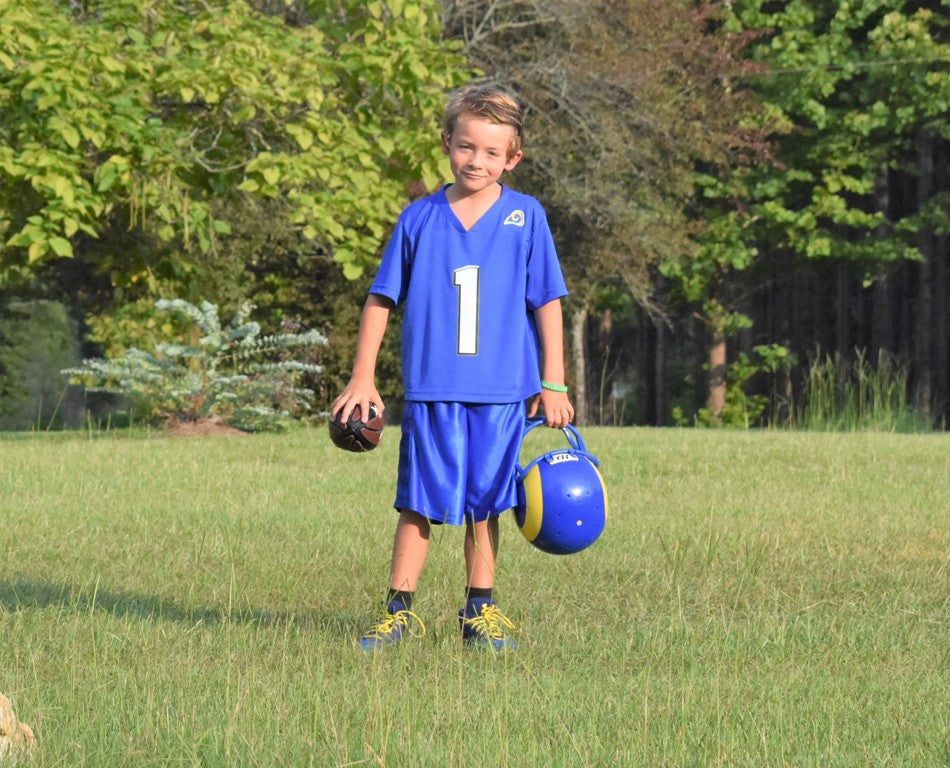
<point x="558" y="411"/>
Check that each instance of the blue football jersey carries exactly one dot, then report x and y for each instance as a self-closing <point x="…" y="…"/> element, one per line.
<point x="468" y="330"/>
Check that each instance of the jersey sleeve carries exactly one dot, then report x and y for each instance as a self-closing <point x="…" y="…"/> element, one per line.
<point x="545" y="280"/>
<point x="392" y="277"/>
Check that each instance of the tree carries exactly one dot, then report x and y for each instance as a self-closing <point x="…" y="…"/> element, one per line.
<point x="621" y="109"/>
<point x="850" y="90"/>
<point x="128" y="115"/>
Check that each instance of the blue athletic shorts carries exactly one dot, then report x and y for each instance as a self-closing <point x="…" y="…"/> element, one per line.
<point x="457" y="460"/>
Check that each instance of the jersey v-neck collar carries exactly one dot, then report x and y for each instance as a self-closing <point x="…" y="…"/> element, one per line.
<point x="457" y="222"/>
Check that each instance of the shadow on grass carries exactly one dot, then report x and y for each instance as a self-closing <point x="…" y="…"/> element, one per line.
<point x="28" y="593"/>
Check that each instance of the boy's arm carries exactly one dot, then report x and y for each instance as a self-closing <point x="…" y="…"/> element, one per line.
<point x="361" y="389"/>
<point x="557" y="407"/>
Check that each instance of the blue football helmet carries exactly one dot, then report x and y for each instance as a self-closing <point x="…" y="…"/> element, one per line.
<point x="562" y="499"/>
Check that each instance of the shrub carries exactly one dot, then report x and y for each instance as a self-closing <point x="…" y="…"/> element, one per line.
<point x="37" y="339"/>
<point x="842" y="397"/>
<point x="232" y="374"/>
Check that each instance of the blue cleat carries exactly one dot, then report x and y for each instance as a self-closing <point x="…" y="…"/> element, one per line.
<point x="393" y="624"/>
<point x="488" y="628"/>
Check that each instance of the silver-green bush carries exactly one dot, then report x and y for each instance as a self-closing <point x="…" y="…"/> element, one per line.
<point x="231" y="373"/>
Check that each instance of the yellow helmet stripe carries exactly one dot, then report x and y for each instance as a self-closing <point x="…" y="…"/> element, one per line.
<point x="534" y="504"/>
<point x="603" y="485"/>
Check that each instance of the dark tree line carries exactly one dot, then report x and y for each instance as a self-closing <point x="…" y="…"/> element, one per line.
<point x="817" y="309"/>
<point x="740" y="191"/>
<point x="811" y="137"/>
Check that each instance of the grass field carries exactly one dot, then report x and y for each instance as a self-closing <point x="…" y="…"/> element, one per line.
<point x="758" y="599"/>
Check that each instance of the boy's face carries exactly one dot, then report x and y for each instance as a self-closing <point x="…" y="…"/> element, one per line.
<point x="478" y="153"/>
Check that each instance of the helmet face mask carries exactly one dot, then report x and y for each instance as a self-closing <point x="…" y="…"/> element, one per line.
<point x="562" y="499"/>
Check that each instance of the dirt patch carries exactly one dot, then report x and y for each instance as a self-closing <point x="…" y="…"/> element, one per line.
<point x="201" y="428"/>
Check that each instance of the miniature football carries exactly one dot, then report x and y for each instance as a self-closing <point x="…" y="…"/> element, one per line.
<point x="358" y="435"/>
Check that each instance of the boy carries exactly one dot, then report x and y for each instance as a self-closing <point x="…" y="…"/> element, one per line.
<point x="476" y="268"/>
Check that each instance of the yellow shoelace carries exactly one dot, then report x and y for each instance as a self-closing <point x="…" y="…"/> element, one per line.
<point x="387" y="623"/>
<point x="491" y="623"/>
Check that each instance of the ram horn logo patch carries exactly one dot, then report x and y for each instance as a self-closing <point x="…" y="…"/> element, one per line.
<point x="516" y="218"/>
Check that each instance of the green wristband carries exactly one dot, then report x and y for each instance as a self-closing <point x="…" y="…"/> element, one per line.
<point x="553" y="387"/>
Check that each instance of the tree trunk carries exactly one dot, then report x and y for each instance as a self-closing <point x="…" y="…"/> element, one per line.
<point x="924" y="315"/>
<point x="843" y="312"/>
<point x="579" y="353"/>
<point x="941" y="340"/>
<point x="941" y="286"/>
<point x="881" y="322"/>
<point x="821" y="332"/>
<point x="716" y="399"/>
<point x="659" y="366"/>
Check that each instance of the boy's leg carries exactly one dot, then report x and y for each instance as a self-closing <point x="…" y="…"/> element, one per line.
<point x="481" y="549"/>
<point x="495" y="432"/>
<point x="481" y="621"/>
<point x="410" y="547"/>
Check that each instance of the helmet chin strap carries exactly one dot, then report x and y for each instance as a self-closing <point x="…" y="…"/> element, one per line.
<point x="574" y="439"/>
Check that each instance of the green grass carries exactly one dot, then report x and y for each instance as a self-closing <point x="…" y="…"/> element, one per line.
<point x="758" y="599"/>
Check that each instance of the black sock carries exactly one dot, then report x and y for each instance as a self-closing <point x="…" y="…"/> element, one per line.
<point x="478" y="593"/>
<point x="400" y="596"/>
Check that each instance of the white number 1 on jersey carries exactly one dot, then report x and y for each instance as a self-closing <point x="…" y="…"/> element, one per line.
<point x="466" y="278"/>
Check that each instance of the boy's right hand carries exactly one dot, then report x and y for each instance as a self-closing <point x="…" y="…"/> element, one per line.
<point x="356" y="393"/>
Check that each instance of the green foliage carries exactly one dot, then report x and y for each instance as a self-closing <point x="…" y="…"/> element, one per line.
<point x="741" y="409"/>
<point x="621" y="109"/>
<point x="271" y="265"/>
<point x="141" y="115"/>
<point x="133" y="324"/>
<point x="859" y="82"/>
<point x="230" y="373"/>
<point x="839" y="397"/>
<point x="37" y="339"/>
<point x="845" y="89"/>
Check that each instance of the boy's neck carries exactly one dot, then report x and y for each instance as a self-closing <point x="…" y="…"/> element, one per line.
<point x="471" y="207"/>
<point x="456" y="194"/>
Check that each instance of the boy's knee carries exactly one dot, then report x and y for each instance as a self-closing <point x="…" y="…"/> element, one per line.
<point x="409" y="517"/>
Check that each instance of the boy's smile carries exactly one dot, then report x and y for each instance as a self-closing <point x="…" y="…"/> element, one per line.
<point x="478" y="154"/>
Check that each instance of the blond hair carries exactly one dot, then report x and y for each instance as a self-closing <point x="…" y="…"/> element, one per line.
<point x="488" y="103"/>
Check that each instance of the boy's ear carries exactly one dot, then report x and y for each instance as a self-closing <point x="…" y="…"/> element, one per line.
<point x="445" y="143"/>
<point x="514" y="160"/>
